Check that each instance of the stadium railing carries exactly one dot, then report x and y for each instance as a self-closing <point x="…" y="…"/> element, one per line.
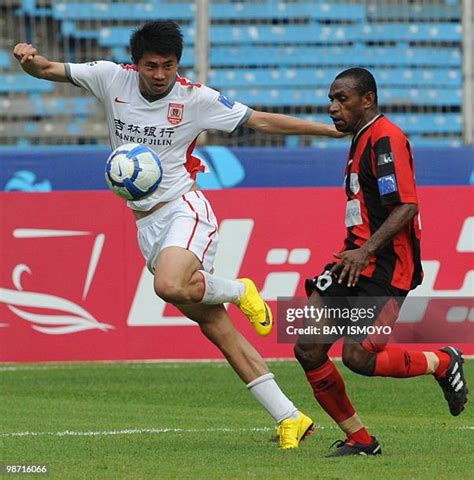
<point x="276" y="55"/>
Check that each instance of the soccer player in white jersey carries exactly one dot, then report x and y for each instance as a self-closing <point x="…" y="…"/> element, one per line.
<point x="149" y="103"/>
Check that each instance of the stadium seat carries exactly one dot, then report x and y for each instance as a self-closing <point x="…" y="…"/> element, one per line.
<point x="270" y="53"/>
<point x="418" y="77"/>
<point x="285" y="34"/>
<point x="417" y="124"/>
<point x="415" y="141"/>
<point x="317" y="97"/>
<point x="254" y="34"/>
<point x="119" y="36"/>
<point x="52" y="129"/>
<point x="404" y="55"/>
<point x="315" y="77"/>
<point x="404" y="12"/>
<point x="246" y="55"/>
<point x="348" y="12"/>
<point x="430" y="141"/>
<point x="414" y="32"/>
<point x="121" y="54"/>
<point x="100" y="11"/>
<point x="69" y="29"/>
<point x="5" y="59"/>
<point x="19" y="82"/>
<point x="342" y="56"/>
<point x="29" y="7"/>
<point x="218" y="11"/>
<point x="36" y="105"/>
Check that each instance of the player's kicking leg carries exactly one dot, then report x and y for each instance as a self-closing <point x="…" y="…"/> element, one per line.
<point x="180" y="279"/>
<point x="453" y="383"/>
<point x="446" y="366"/>
<point x="329" y="390"/>
<point x="180" y="244"/>
<point x="327" y="383"/>
<point x="215" y="324"/>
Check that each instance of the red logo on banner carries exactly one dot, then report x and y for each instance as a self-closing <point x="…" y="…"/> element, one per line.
<point x="175" y="113"/>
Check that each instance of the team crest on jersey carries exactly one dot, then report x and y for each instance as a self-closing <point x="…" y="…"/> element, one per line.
<point x="175" y="113"/>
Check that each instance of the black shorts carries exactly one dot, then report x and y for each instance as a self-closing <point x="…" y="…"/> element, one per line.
<point x="382" y="300"/>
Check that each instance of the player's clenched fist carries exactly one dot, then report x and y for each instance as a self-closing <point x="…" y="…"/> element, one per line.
<point x="24" y="52"/>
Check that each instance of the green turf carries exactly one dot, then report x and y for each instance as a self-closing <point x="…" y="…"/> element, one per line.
<point x="410" y="417"/>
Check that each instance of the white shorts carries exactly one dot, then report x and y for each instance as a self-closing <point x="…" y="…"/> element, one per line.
<point x="186" y="222"/>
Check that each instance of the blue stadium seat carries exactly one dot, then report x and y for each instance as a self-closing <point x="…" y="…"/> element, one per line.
<point x="415" y="141"/>
<point x="416" y="123"/>
<point x="404" y="12"/>
<point x="318" y="76"/>
<point x="284" y="55"/>
<point x="274" y="77"/>
<point x="122" y="55"/>
<point x="404" y="55"/>
<point x="69" y="29"/>
<point x="288" y="63"/>
<point x="394" y="32"/>
<point x="287" y="11"/>
<point x="19" y="82"/>
<point x="75" y="106"/>
<point x="343" y="56"/>
<point x="418" y="77"/>
<point x="119" y="36"/>
<point x="39" y="105"/>
<point x="422" y="97"/>
<point x="253" y="34"/>
<point x="432" y="141"/>
<point x="285" y="34"/>
<point x="29" y="7"/>
<point x="317" y="97"/>
<point x="5" y="59"/>
<point x="420" y="123"/>
<point x="101" y="11"/>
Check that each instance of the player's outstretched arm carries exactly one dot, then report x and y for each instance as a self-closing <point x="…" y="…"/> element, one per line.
<point x="38" y="66"/>
<point x="284" y="124"/>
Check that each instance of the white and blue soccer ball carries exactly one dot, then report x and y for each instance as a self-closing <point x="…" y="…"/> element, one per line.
<point x="133" y="171"/>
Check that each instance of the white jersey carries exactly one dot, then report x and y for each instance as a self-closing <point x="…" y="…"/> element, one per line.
<point x="169" y="125"/>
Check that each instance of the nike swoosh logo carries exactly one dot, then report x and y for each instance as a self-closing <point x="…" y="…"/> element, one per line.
<point x="119" y="169"/>
<point x="117" y="100"/>
<point x="266" y="323"/>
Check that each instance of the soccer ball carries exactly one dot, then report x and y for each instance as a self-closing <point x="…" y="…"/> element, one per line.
<point x="133" y="171"/>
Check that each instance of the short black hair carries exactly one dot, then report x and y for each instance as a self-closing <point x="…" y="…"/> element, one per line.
<point x="163" y="37"/>
<point x="365" y="81"/>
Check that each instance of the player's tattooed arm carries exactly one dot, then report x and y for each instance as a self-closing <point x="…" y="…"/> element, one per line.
<point x="353" y="262"/>
<point x="38" y="66"/>
<point x="265" y="122"/>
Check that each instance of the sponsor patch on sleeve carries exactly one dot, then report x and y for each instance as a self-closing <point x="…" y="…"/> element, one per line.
<point x="385" y="158"/>
<point x="225" y="101"/>
<point x="387" y="184"/>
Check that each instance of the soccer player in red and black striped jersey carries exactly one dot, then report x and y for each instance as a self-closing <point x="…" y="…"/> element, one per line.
<point x="380" y="261"/>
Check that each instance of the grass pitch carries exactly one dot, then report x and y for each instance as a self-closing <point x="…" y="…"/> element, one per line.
<point x="197" y="421"/>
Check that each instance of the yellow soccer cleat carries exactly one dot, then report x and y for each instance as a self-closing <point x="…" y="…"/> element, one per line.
<point x="255" y="309"/>
<point x="292" y="430"/>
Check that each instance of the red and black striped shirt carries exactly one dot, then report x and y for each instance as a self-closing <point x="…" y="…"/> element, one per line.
<point x="379" y="176"/>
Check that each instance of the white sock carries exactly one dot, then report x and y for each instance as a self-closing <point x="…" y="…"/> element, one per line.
<point x="220" y="290"/>
<point x="275" y="402"/>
